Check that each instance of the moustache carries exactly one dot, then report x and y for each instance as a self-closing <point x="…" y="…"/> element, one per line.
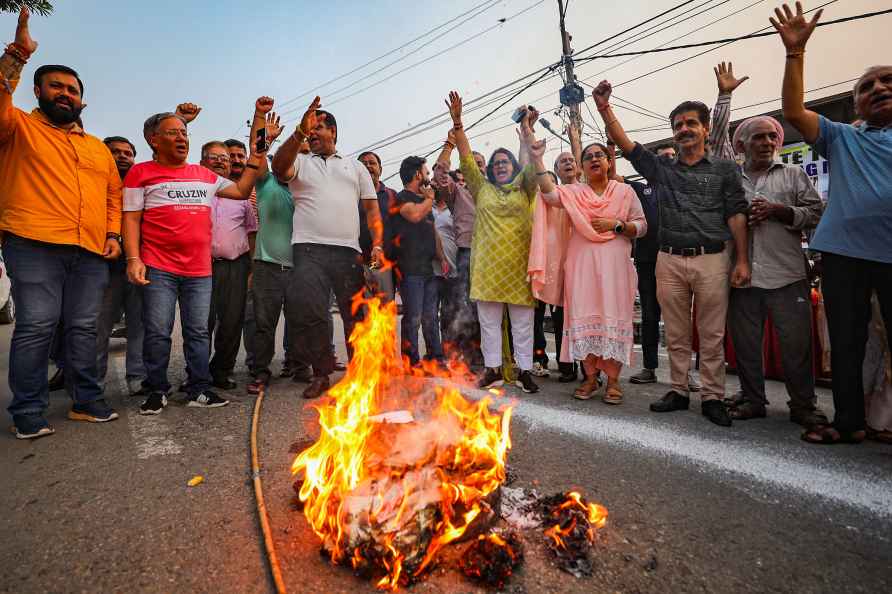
<point x="685" y="136"/>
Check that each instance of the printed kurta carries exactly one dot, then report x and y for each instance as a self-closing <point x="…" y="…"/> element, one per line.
<point x="500" y="247"/>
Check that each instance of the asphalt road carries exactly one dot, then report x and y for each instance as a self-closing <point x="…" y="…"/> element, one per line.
<point x="693" y="507"/>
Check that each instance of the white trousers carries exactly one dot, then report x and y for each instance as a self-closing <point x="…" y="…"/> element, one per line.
<point x="489" y="314"/>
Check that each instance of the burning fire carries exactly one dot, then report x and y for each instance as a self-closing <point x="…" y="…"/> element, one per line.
<point x="402" y="467"/>
<point x="595" y="515"/>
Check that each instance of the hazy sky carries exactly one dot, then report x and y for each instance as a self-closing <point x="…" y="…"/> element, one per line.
<point x="138" y="57"/>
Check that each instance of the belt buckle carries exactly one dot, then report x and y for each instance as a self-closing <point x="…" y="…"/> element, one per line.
<point x="690" y="252"/>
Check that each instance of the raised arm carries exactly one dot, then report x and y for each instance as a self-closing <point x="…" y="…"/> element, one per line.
<point x="601" y="95"/>
<point x="794" y="31"/>
<point x="255" y="167"/>
<point x="264" y="118"/>
<point x="454" y="104"/>
<point x="525" y="135"/>
<point x="719" y="139"/>
<point x="283" y="161"/>
<point x="12" y="61"/>
<point x="537" y="156"/>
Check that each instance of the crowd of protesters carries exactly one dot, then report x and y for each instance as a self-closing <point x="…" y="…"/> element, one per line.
<point x="710" y="241"/>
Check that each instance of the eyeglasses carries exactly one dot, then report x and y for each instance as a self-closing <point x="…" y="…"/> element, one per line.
<point x="502" y="162"/>
<point x="176" y="133"/>
<point x="590" y="156"/>
<point x="217" y="158"/>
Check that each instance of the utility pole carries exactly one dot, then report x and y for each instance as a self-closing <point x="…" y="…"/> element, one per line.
<point x="571" y="94"/>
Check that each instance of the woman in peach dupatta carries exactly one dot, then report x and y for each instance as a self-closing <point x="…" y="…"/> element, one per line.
<point x="599" y="278"/>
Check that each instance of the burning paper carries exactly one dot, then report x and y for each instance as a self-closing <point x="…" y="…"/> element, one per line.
<point x="401" y="467"/>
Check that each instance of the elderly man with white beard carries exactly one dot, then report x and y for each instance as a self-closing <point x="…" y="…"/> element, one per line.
<point x="783" y="204"/>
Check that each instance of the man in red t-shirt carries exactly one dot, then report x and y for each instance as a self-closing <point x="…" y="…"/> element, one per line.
<point x="167" y="230"/>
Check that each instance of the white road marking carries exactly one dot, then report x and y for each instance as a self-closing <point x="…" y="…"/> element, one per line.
<point x="764" y="464"/>
<point x="152" y="435"/>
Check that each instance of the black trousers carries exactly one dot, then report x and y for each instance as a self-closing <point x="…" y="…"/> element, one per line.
<point x="650" y="313"/>
<point x="847" y="286"/>
<point x="539" y="343"/>
<point x="270" y="290"/>
<point x="318" y="271"/>
<point x="790" y="309"/>
<point x="539" y="340"/>
<point x="227" y="316"/>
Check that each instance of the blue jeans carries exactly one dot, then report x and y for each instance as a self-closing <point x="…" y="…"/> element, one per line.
<point x="420" y="297"/>
<point x="52" y="282"/>
<point x="159" y="300"/>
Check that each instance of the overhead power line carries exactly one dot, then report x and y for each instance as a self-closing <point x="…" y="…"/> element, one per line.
<point x="633" y="27"/>
<point x="408" y="132"/>
<point x="712" y="49"/>
<point x="429" y="58"/>
<point x="682" y="36"/>
<point x="728" y="40"/>
<point x="490" y="4"/>
<point x="659" y="27"/>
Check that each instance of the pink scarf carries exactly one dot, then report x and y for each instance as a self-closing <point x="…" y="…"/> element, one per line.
<point x="551" y="231"/>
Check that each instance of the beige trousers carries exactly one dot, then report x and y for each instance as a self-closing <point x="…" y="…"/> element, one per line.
<point x="681" y="282"/>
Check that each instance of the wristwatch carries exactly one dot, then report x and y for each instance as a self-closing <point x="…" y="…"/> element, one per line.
<point x="619" y="228"/>
<point x="114" y="236"/>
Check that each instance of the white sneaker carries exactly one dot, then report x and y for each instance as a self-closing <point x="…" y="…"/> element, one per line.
<point x="540" y="370"/>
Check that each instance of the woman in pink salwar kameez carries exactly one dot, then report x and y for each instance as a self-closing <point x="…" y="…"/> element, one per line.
<point x="599" y="280"/>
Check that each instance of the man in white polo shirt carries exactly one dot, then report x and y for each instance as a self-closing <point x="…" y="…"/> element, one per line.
<point x="325" y="239"/>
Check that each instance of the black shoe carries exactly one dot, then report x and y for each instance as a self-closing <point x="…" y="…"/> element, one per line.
<point x="317" y="387"/>
<point x="525" y="382"/>
<point x="302" y="375"/>
<point x="670" y="402"/>
<point x="92" y="412"/>
<point x="31" y="426"/>
<point x="207" y="399"/>
<point x="338" y="366"/>
<point x="224" y="383"/>
<point x="645" y="376"/>
<point x="715" y="411"/>
<point x="154" y="404"/>
<point x="567" y="377"/>
<point x="57" y="382"/>
<point x="491" y="378"/>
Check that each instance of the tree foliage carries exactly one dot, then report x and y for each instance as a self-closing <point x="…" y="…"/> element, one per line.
<point x="41" y="7"/>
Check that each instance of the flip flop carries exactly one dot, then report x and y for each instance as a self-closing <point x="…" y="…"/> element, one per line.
<point x="880" y="436"/>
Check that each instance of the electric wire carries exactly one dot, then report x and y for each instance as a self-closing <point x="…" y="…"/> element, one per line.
<point x="393" y="51"/>
<point x="551" y="66"/>
<point x="712" y="49"/>
<point x="429" y="58"/>
<point x="682" y="36"/>
<point x="660" y="27"/>
<point x="730" y="40"/>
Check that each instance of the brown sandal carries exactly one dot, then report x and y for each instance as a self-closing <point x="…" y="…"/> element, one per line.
<point x="613" y="395"/>
<point x="827" y="435"/>
<point x="587" y="390"/>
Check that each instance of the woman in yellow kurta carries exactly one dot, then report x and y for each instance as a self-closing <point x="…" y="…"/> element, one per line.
<point x="500" y="251"/>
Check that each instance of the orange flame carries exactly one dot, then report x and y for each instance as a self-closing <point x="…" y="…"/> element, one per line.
<point x="595" y="514"/>
<point x="372" y="472"/>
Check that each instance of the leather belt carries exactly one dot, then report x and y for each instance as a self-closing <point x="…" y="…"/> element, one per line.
<point x="693" y="251"/>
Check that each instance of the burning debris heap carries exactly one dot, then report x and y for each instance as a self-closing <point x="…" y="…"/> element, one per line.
<point x="570" y="524"/>
<point x="405" y="465"/>
<point x="402" y="467"/>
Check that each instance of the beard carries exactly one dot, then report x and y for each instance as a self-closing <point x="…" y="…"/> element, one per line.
<point x="57" y="114"/>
